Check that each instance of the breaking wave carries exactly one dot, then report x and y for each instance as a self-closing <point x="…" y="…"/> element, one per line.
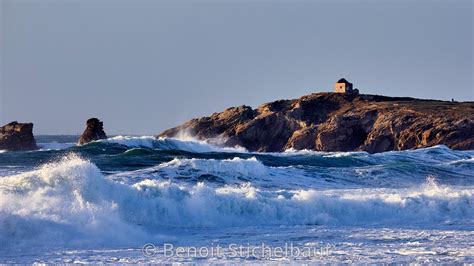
<point x="189" y="144"/>
<point x="70" y="202"/>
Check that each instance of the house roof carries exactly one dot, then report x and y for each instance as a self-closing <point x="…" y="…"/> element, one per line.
<point x="343" y="80"/>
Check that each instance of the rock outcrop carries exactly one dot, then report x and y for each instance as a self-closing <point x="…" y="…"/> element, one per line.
<point x="94" y="131"/>
<point x="17" y="137"/>
<point x="339" y="122"/>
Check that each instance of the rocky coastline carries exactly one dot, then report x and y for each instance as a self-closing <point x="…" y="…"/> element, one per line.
<point x="338" y="122"/>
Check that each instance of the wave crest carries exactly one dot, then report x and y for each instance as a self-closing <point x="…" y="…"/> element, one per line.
<point x="70" y="202"/>
<point x="188" y="144"/>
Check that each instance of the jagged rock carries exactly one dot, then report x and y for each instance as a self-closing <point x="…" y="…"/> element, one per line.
<point x="94" y="131"/>
<point x="17" y="137"/>
<point x="339" y="122"/>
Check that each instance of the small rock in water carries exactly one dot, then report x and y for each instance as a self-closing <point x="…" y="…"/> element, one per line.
<point x="17" y="137"/>
<point x="93" y="131"/>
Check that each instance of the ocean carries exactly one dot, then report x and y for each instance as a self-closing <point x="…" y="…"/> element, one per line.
<point x="132" y="199"/>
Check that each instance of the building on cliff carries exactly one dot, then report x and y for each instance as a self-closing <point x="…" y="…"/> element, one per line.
<point x="344" y="86"/>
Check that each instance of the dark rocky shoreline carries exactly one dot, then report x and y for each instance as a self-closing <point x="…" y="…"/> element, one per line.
<point x="339" y="122"/>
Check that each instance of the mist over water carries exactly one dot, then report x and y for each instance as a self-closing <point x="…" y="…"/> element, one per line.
<point x="106" y="199"/>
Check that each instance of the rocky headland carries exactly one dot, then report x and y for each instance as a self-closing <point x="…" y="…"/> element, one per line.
<point x="17" y="137"/>
<point x="339" y="122"/>
<point x="94" y="131"/>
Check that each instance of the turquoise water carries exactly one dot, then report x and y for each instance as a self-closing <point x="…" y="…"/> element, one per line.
<point x="103" y="201"/>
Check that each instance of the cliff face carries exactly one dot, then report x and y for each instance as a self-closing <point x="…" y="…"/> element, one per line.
<point x="17" y="137"/>
<point x="339" y="122"/>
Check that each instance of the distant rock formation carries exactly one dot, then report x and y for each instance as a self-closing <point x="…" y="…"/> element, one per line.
<point x="339" y="122"/>
<point x="94" y="131"/>
<point x="17" y="137"/>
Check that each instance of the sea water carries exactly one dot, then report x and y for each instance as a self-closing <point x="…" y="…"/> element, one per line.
<point x="140" y="199"/>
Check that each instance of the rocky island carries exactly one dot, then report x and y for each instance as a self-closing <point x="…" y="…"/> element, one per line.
<point x="94" y="131"/>
<point x="339" y="122"/>
<point x="17" y="137"/>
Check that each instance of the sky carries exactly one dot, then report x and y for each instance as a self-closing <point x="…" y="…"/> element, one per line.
<point x="145" y="66"/>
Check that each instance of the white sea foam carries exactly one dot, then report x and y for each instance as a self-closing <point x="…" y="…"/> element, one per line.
<point x="306" y="152"/>
<point x="243" y="167"/>
<point x="186" y="144"/>
<point x="229" y="171"/>
<point x="70" y="202"/>
<point x="469" y="160"/>
<point x="249" y="205"/>
<point x="194" y="145"/>
<point x="59" y="202"/>
<point x="133" y="141"/>
<point x="54" y="146"/>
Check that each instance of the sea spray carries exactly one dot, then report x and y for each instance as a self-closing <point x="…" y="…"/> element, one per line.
<point x="74" y="203"/>
<point x="62" y="203"/>
<point x="106" y="196"/>
<point x="186" y="144"/>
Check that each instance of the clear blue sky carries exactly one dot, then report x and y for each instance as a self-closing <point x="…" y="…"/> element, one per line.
<point x="144" y="66"/>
